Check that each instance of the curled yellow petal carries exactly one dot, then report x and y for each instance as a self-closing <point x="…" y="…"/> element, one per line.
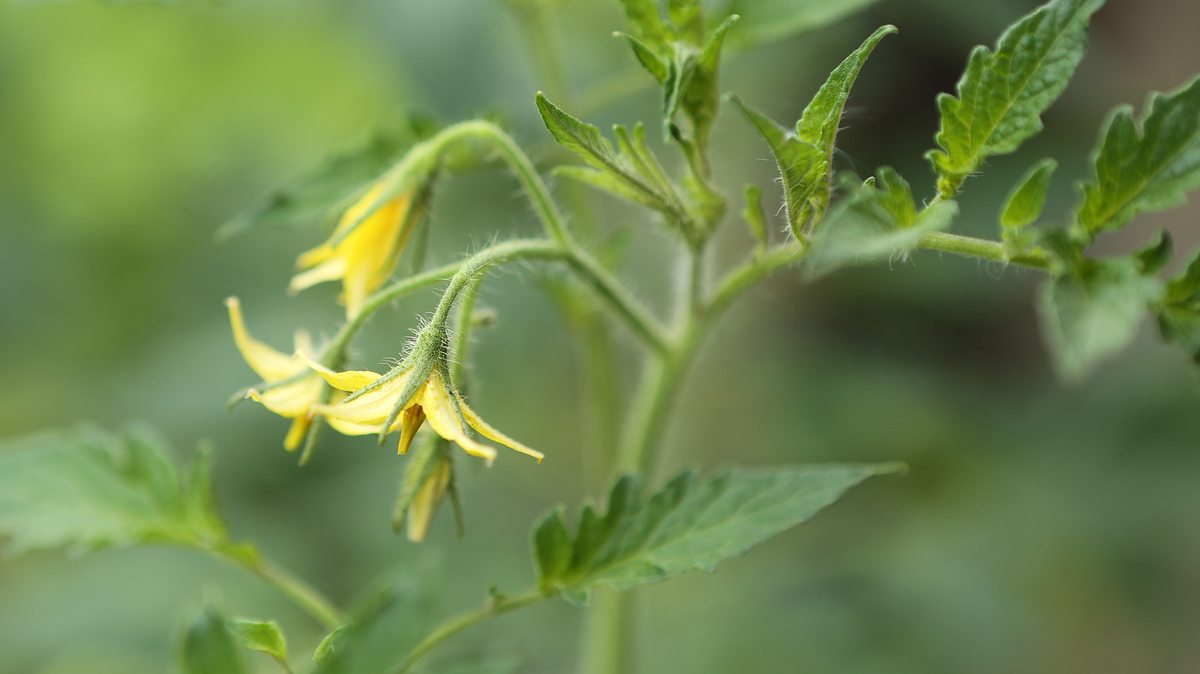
<point x="348" y="380"/>
<point x="410" y="423"/>
<point x="289" y="400"/>
<point x="446" y="421"/>
<point x="296" y="432"/>
<point x="331" y="270"/>
<point x="489" y="432"/>
<point x="268" y="363"/>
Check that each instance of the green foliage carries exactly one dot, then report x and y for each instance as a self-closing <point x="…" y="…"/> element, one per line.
<point x="805" y="158"/>
<point x="381" y="634"/>
<point x="875" y="223"/>
<point x="209" y="647"/>
<point x="1144" y="167"/>
<point x="691" y="85"/>
<point x="1179" y="314"/>
<point x="85" y="489"/>
<point x="629" y="171"/>
<point x="322" y="196"/>
<point x="755" y="218"/>
<point x="769" y="20"/>
<point x="1092" y="311"/>
<point x="262" y="636"/>
<point x="1002" y="94"/>
<point x="689" y="524"/>
<point x="1024" y="207"/>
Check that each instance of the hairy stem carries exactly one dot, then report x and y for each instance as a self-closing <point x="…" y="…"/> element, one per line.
<point x="492" y="608"/>
<point x="305" y="596"/>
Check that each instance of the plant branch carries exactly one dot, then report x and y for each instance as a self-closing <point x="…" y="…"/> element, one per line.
<point x="493" y="607"/>
<point x="308" y="598"/>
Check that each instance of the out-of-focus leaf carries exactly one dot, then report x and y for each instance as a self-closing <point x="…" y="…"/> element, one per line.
<point x="1179" y="316"/>
<point x="756" y="219"/>
<point x="321" y="196"/>
<point x="1144" y="167"/>
<point x="1154" y="258"/>
<point x="645" y="16"/>
<point x="209" y="647"/>
<point x="381" y="634"/>
<point x="263" y="636"/>
<point x="1024" y="206"/>
<point x="690" y="524"/>
<point x="85" y="489"/>
<point x="765" y="21"/>
<point x="805" y="159"/>
<point x="1092" y="311"/>
<point x="873" y="224"/>
<point x="693" y="85"/>
<point x="1002" y="94"/>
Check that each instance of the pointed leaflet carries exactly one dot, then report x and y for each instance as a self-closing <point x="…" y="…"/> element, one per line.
<point x="694" y="86"/>
<point x="1002" y="94"/>
<point x="806" y="159"/>
<point x="1146" y="167"/>
<point x="1092" y="311"/>
<point x="209" y="647"/>
<point x="647" y="20"/>
<point x="262" y="636"/>
<point x="631" y="173"/>
<point x="87" y="489"/>
<point x="1024" y="206"/>
<point x="689" y="524"/>
<point x="381" y="634"/>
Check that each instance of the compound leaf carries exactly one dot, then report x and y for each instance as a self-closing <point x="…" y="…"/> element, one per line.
<point x="1003" y="93"/>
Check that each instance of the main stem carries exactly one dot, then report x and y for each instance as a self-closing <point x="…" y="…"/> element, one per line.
<point x="315" y="604"/>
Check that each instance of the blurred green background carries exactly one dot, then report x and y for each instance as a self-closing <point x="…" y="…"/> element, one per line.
<point x="1040" y="528"/>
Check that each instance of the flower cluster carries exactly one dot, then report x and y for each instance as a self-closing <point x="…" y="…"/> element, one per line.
<point x="308" y="384"/>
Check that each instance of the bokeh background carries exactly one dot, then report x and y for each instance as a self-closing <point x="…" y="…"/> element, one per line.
<point x="1041" y="528"/>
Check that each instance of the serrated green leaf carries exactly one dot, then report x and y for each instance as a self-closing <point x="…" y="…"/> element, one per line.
<point x="805" y="159"/>
<point x="1024" y="206"/>
<point x="766" y="21"/>
<point x="209" y="647"/>
<point x="1003" y="94"/>
<point x="1092" y="311"/>
<point x="690" y="524"/>
<point x="262" y="636"/>
<point x="86" y="489"/>
<point x="1144" y="167"/>
<point x="869" y="225"/>
<point x="381" y="634"/>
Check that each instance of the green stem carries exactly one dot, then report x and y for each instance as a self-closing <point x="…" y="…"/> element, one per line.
<point x="315" y="604"/>
<point x="493" y="607"/>
<point x="980" y="248"/>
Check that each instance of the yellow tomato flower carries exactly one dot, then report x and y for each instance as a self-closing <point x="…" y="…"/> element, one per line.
<point x="290" y="387"/>
<point x="362" y="257"/>
<point x="447" y="412"/>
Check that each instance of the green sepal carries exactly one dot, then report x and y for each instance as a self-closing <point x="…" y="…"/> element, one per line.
<point x="1143" y="166"/>
<point x="654" y="64"/>
<point x="805" y="158"/>
<point x="1179" y="313"/>
<point x="1003" y="93"/>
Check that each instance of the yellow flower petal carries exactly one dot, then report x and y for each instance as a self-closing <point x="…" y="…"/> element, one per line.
<point x="296" y="432"/>
<point x="268" y="363"/>
<point x="492" y="434"/>
<point x="332" y="270"/>
<point x="446" y="421"/>
<point x="349" y="380"/>
<point x="290" y="400"/>
<point x="373" y="407"/>
<point x="410" y="422"/>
